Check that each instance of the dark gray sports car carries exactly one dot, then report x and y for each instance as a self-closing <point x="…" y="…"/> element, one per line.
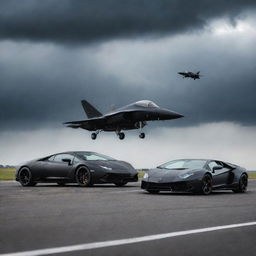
<point x="83" y="168"/>
<point x="196" y="176"/>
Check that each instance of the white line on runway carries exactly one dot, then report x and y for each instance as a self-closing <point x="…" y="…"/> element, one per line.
<point x="140" y="239"/>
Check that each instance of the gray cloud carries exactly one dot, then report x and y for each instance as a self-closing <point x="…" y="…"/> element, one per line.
<point x="47" y="66"/>
<point x="82" y="21"/>
<point x="235" y="144"/>
<point x="42" y="83"/>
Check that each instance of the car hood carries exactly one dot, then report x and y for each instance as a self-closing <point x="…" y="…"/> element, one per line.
<point x="164" y="175"/>
<point x="113" y="166"/>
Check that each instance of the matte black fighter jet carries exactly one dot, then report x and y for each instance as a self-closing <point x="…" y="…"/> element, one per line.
<point x="190" y="74"/>
<point x="129" y="117"/>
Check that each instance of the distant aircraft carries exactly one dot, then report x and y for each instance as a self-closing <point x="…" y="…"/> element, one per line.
<point x="190" y="74"/>
<point x="129" y="117"/>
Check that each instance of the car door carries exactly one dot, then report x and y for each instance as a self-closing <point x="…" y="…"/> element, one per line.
<point x="220" y="177"/>
<point x="58" y="168"/>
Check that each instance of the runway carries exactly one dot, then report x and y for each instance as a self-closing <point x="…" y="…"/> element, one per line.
<point x="49" y="216"/>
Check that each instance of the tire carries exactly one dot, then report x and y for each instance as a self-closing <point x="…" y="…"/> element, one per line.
<point x="242" y="186"/>
<point x="25" y="177"/>
<point x="94" y="136"/>
<point x="206" y="185"/>
<point x="142" y="135"/>
<point x="83" y="177"/>
<point x="120" y="183"/>
<point x="153" y="191"/>
<point x="121" y="135"/>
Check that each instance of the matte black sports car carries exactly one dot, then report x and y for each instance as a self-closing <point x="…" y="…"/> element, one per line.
<point x="196" y="176"/>
<point x="83" y="168"/>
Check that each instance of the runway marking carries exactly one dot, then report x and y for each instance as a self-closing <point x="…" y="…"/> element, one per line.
<point x="133" y="240"/>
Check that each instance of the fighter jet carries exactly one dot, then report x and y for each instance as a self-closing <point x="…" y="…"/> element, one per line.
<point x="129" y="117"/>
<point x="190" y="74"/>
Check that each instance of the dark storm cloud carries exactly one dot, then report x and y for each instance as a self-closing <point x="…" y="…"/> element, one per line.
<point x="41" y="85"/>
<point x="85" y="20"/>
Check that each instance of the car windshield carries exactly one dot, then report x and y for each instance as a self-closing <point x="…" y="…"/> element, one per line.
<point x="90" y="156"/>
<point x="183" y="164"/>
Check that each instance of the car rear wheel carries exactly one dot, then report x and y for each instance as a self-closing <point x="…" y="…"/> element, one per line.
<point x="120" y="184"/>
<point x="242" y="186"/>
<point x="153" y="191"/>
<point x="206" y="185"/>
<point x="25" y="177"/>
<point x="83" y="177"/>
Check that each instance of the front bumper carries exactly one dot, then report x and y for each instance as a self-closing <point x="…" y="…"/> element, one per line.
<point x="119" y="177"/>
<point x="186" y="186"/>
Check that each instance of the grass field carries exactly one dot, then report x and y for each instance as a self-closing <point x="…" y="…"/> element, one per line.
<point x="252" y="175"/>
<point x="9" y="174"/>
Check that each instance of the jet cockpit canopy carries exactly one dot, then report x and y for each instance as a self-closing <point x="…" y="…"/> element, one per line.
<point x="146" y="104"/>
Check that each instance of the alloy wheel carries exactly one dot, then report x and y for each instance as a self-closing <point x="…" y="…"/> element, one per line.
<point x="207" y="185"/>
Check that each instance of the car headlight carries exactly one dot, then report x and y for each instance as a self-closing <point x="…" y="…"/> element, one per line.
<point x="186" y="175"/>
<point x="105" y="167"/>
<point x="145" y="176"/>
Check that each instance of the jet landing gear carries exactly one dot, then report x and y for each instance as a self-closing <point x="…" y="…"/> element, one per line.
<point x="142" y="135"/>
<point x="94" y="135"/>
<point x="121" y="135"/>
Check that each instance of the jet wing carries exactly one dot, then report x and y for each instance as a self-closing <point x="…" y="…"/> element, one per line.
<point x="76" y="124"/>
<point x="84" y="123"/>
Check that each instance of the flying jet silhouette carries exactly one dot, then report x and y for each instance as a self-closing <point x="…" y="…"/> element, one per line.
<point x="190" y="74"/>
<point x="129" y="117"/>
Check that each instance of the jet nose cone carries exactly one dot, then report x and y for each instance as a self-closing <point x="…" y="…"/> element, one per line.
<point x="167" y="114"/>
<point x="177" y="115"/>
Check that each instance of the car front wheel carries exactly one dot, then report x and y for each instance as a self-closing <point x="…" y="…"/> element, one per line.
<point x="242" y="186"/>
<point x="83" y="177"/>
<point x="206" y="185"/>
<point x="25" y="177"/>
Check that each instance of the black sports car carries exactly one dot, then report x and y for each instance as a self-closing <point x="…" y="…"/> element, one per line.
<point x="83" y="168"/>
<point x="196" y="176"/>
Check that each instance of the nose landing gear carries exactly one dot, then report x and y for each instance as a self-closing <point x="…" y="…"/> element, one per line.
<point x="142" y="134"/>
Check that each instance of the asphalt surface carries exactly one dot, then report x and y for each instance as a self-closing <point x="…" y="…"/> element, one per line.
<point x="49" y="216"/>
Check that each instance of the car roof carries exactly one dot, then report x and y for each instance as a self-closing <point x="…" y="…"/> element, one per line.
<point x="73" y="152"/>
<point x="198" y="159"/>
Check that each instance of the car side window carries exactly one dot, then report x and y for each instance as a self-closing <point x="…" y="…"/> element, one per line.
<point x="225" y="167"/>
<point x="76" y="160"/>
<point x="58" y="158"/>
<point x="51" y="158"/>
<point x="212" y="164"/>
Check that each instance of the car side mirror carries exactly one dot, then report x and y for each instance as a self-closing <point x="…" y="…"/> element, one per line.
<point x="217" y="167"/>
<point x="67" y="160"/>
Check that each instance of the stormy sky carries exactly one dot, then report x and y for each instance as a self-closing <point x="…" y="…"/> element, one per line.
<point x="112" y="52"/>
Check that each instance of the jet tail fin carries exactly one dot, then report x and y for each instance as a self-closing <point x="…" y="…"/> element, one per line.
<point x="198" y="72"/>
<point x="90" y="110"/>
